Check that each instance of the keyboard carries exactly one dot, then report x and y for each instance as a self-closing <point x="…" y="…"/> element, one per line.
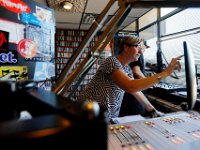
<point x="171" y="88"/>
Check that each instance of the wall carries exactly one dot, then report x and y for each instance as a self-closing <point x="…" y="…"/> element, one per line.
<point x="29" y="46"/>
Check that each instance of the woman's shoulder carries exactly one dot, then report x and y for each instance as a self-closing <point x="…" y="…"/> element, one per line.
<point x="110" y="64"/>
<point x="111" y="59"/>
<point x="114" y="62"/>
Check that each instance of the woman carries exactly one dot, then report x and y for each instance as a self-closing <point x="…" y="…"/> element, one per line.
<point x="114" y="77"/>
<point x="131" y="104"/>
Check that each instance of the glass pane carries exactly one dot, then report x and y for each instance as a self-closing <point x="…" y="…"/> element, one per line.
<point x="150" y="36"/>
<point x="148" y="18"/>
<point x="165" y="11"/>
<point x="184" y="20"/>
<point x="131" y="27"/>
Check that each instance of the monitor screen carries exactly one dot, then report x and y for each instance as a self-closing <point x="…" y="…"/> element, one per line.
<point x="190" y="72"/>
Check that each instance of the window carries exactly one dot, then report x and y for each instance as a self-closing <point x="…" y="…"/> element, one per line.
<point x="150" y="36"/>
<point x="165" y="11"/>
<point x="185" y="20"/>
<point x="148" y="18"/>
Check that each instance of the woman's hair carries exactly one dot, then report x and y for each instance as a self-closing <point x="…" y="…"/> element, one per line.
<point x="128" y="41"/>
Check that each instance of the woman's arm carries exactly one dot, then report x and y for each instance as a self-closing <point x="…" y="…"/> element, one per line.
<point x="137" y="72"/>
<point x="141" y="98"/>
<point x="134" y="85"/>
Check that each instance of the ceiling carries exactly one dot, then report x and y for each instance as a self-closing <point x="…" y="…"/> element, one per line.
<point x="92" y="8"/>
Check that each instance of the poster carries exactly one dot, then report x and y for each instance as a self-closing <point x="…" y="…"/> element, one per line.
<point x="13" y="73"/>
<point x="42" y="38"/>
<point x="44" y="71"/>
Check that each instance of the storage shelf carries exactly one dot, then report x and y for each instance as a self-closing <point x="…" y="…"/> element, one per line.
<point x="66" y="42"/>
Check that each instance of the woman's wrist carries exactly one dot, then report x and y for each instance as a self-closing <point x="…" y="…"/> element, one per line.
<point x="151" y="111"/>
<point x="167" y="71"/>
<point x="155" y="113"/>
<point x="164" y="74"/>
<point x="158" y="76"/>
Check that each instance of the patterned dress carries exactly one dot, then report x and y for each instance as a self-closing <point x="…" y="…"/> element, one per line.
<point x="102" y="88"/>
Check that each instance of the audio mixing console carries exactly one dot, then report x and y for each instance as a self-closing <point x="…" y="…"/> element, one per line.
<point x="175" y="131"/>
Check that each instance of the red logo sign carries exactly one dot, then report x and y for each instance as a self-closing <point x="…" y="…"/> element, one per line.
<point x="16" y="6"/>
<point x="27" y="48"/>
<point x="2" y="39"/>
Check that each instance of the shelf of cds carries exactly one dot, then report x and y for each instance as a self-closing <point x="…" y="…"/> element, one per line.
<point x="66" y="43"/>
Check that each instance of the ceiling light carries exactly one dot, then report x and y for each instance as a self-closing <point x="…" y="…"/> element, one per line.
<point x="77" y="6"/>
<point x="67" y="5"/>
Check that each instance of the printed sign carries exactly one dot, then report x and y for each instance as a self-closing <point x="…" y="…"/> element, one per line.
<point x="27" y="48"/>
<point x="3" y="40"/>
<point x="13" y="73"/>
<point x="16" y="6"/>
<point x="44" y="71"/>
<point x="8" y="57"/>
<point x="15" y="30"/>
<point x="41" y="17"/>
<point x="42" y="38"/>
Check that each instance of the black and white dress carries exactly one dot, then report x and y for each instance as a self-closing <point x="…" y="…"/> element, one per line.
<point x="102" y="88"/>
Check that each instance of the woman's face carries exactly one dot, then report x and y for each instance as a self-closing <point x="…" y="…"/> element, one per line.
<point x="134" y="52"/>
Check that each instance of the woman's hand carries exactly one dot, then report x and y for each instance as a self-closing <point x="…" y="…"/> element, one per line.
<point x="174" y="65"/>
<point x="155" y="113"/>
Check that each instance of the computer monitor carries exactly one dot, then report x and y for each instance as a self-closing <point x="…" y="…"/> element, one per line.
<point x="190" y="71"/>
